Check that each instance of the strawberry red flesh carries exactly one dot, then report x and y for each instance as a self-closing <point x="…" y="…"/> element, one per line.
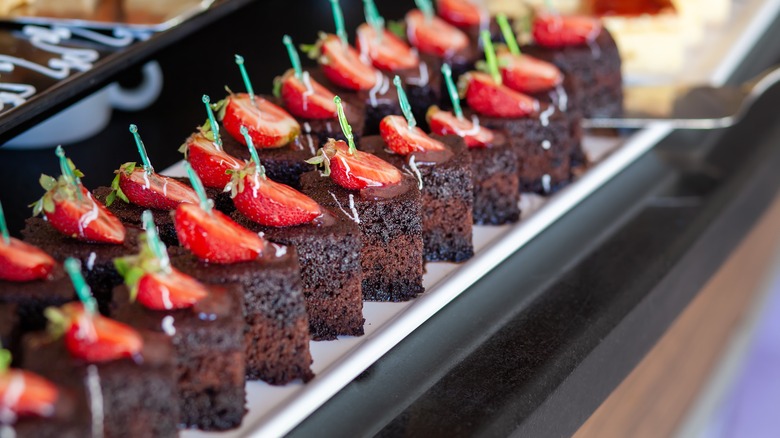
<point x="461" y="13"/>
<point x="169" y="291"/>
<point x="527" y="74"/>
<point x="209" y="162"/>
<point x="555" y="31"/>
<point x="495" y="100"/>
<point x="306" y="98"/>
<point x="402" y="140"/>
<point x="342" y="65"/>
<point x="359" y="170"/>
<point x="96" y="338"/>
<point x="273" y="204"/>
<point x="155" y="191"/>
<point x="389" y="53"/>
<point x="85" y="219"/>
<point x="268" y="125"/>
<point x="214" y="237"/>
<point x="435" y="36"/>
<point x="445" y="123"/>
<point x="21" y="261"/>
<point x="37" y="396"/>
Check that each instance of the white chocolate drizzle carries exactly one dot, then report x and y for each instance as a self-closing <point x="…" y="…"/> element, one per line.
<point x="354" y="216"/>
<point x="380" y="87"/>
<point x="279" y="250"/>
<point x="88" y="217"/>
<point x="546" y="145"/>
<point x="167" y="326"/>
<point x="309" y="90"/>
<point x="546" y="183"/>
<point x="91" y="261"/>
<point x="415" y="171"/>
<point x="95" y="392"/>
<point x="544" y="116"/>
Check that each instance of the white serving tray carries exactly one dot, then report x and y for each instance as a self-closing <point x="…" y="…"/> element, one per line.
<point x="275" y="410"/>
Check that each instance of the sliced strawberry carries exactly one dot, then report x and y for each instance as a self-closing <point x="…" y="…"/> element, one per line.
<point x="25" y="393"/>
<point x="461" y="13"/>
<point x="306" y="98"/>
<point x="553" y="30"/>
<point x="445" y="123"/>
<point x="209" y="162"/>
<point x="494" y="100"/>
<point x="85" y="219"/>
<point x="169" y="290"/>
<point x="527" y="74"/>
<point x="273" y="204"/>
<point x="154" y="191"/>
<point x="358" y="170"/>
<point x="269" y="125"/>
<point x="21" y="261"/>
<point x="214" y="237"/>
<point x="388" y="53"/>
<point x="435" y="36"/>
<point x="96" y="338"/>
<point x="342" y="65"/>
<point x="402" y="140"/>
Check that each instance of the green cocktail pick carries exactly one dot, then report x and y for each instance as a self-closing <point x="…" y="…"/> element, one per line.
<point x="245" y="77"/>
<point x="5" y="359"/>
<point x="73" y="268"/>
<point x="205" y="202"/>
<point x="212" y="121"/>
<point x="154" y="242"/>
<point x="426" y="7"/>
<point x="252" y="151"/>
<point x="295" y="60"/>
<point x="4" y="227"/>
<point x="67" y="171"/>
<point x="404" y="101"/>
<point x="452" y="91"/>
<point x="345" y="127"/>
<point x="508" y="33"/>
<point x="141" y="150"/>
<point x="490" y="56"/>
<point x="338" y="18"/>
<point x="373" y="18"/>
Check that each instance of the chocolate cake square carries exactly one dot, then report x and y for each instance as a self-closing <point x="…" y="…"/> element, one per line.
<point x="496" y="183"/>
<point x="390" y="222"/>
<point x="329" y="254"/>
<point x="209" y="351"/>
<point x="97" y="259"/>
<point x="446" y="184"/>
<point x="595" y="69"/>
<point x="127" y="397"/>
<point x="277" y="326"/>
<point x="32" y="297"/>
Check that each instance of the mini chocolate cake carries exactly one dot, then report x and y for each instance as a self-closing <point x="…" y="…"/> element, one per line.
<point x="97" y="259"/>
<point x="277" y="326"/>
<point x="423" y="86"/>
<point x="9" y="326"/>
<point x="208" y="343"/>
<point x="595" y="68"/>
<point x="544" y="142"/>
<point x="32" y="297"/>
<point x="134" y="397"/>
<point x="390" y="222"/>
<point x="320" y="130"/>
<point x="447" y="195"/>
<point x="496" y="183"/>
<point x="130" y="215"/>
<point x="329" y="255"/>
<point x="70" y="419"/>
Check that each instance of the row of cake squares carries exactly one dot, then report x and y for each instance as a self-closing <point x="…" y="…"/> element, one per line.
<point x="268" y="252"/>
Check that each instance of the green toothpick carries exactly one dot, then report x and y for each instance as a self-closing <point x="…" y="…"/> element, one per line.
<point x="345" y="128"/>
<point x="490" y="56"/>
<point x="4" y="227"/>
<point x="205" y="202"/>
<point x="66" y="170"/>
<point x="426" y="7"/>
<point x="5" y="359"/>
<point x="245" y="77"/>
<point x="73" y="268"/>
<point x="338" y="18"/>
<point x="141" y="150"/>
<point x="452" y="91"/>
<point x="373" y="18"/>
<point x="295" y="60"/>
<point x="252" y="151"/>
<point x="213" y="121"/>
<point x="508" y="33"/>
<point x="404" y="101"/>
<point x="154" y="242"/>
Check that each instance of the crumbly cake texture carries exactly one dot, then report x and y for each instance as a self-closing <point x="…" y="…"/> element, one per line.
<point x="9" y="326"/>
<point x="136" y="395"/>
<point x="208" y="345"/>
<point x="32" y="297"/>
<point x="447" y="196"/>
<point x="97" y="259"/>
<point x="329" y="255"/>
<point x="496" y="183"/>
<point x="277" y="325"/>
<point x="390" y="223"/>
<point x="130" y="215"/>
<point x="596" y="70"/>
<point x="544" y="142"/>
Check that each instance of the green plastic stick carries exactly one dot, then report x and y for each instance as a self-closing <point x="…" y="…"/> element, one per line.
<point x="252" y="151"/>
<point x="73" y="268"/>
<point x="5" y="359"/>
<point x="345" y="128"/>
<point x="295" y="60"/>
<point x="452" y="91"/>
<point x="245" y="77"/>
<point x="373" y="18"/>
<point x="490" y="56"/>
<point x="4" y="227"/>
<point x="141" y="150"/>
<point x="212" y="121"/>
<point x="66" y="171"/>
<point x="154" y="242"/>
<point x="404" y="101"/>
<point x="338" y="18"/>
<point x="426" y="7"/>
<point x="509" y="34"/>
<point x="205" y="203"/>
